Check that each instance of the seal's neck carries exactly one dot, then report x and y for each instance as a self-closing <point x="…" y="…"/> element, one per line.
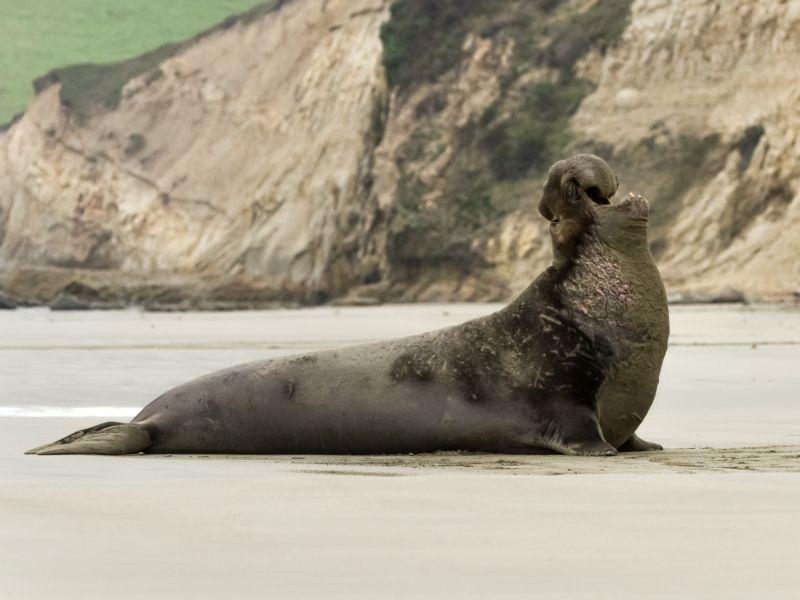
<point x="596" y="289"/>
<point x="593" y="288"/>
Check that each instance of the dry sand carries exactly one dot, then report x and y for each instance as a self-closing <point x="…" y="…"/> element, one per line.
<point x="717" y="515"/>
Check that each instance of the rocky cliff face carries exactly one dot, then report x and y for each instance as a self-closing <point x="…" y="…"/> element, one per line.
<point x="240" y="156"/>
<point x="314" y="149"/>
<point x="712" y="87"/>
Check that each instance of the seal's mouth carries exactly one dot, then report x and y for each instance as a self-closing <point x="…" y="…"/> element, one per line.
<point x="635" y="205"/>
<point x="597" y="196"/>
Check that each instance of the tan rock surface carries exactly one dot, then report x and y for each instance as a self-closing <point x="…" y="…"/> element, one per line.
<point x="705" y="68"/>
<point x="254" y="141"/>
<point x="270" y="152"/>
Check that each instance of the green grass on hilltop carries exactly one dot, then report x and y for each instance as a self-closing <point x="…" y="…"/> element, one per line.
<point x="40" y="35"/>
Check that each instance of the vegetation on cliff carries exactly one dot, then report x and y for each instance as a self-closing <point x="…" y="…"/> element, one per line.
<point x="423" y="40"/>
<point x="46" y="34"/>
<point x="85" y="87"/>
<point x="516" y="138"/>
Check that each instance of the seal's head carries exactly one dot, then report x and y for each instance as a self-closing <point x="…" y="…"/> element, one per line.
<point x="577" y="202"/>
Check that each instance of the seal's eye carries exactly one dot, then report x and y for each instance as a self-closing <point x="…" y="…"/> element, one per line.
<point x="555" y="221"/>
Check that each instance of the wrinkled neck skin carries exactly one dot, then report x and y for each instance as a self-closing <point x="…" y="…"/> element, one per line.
<point x="597" y="292"/>
<point x="611" y="277"/>
<point x="605" y="283"/>
<point x="603" y="279"/>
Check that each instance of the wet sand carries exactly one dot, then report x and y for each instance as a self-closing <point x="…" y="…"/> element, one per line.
<point x="717" y="515"/>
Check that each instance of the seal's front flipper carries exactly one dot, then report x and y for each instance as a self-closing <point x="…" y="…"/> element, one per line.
<point x="592" y="448"/>
<point x="637" y="444"/>
<point x="106" y="438"/>
<point x="574" y="430"/>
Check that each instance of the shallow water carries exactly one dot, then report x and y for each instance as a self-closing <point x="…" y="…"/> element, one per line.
<point x="731" y="375"/>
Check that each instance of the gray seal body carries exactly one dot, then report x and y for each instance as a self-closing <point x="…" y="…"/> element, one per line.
<point x="571" y="365"/>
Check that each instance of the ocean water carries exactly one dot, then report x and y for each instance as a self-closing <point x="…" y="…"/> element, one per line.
<point x="731" y="376"/>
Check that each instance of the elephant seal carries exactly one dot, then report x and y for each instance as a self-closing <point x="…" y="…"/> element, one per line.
<point x="571" y="365"/>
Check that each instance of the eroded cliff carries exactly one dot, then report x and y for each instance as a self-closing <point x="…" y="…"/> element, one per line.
<point x="316" y="149"/>
<point x="240" y="156"/>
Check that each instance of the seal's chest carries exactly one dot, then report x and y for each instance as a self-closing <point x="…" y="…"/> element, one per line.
<point x="600" y="294"/>
<point x="622" y="301"/>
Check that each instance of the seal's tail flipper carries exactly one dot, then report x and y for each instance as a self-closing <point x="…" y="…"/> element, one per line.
<point x="106" y="438"/>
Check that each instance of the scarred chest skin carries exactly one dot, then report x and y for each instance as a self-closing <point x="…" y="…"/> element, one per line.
<point x="618" y="296"/>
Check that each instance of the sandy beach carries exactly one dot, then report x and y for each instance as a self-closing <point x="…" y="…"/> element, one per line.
<point x="716" y="515"/>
